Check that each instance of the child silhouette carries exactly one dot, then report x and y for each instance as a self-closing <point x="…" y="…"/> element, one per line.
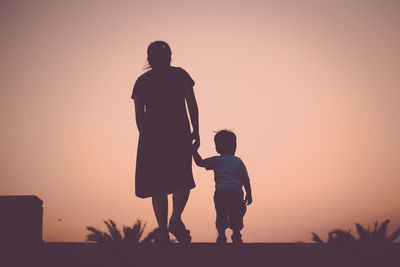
<point x="230" y="175"/>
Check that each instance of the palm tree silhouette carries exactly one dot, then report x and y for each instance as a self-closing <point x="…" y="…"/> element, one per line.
<point x="377" y="235"/>
<point x="129" y="234"/>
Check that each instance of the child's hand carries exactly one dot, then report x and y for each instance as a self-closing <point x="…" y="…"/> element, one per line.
<point x="248" y="199"/>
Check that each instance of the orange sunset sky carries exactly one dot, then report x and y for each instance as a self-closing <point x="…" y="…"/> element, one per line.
<point x="311" y="88"/>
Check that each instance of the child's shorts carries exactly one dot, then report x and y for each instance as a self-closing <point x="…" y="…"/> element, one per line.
<point x="230" y="208"/>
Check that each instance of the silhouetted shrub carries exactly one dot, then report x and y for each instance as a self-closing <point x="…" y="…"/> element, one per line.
<point x="377" y="235"/>
<point x="130" y="234"/>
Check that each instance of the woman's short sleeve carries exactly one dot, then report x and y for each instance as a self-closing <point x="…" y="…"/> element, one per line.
<point x="186" y="77"/>
<point x="137" y="88"/>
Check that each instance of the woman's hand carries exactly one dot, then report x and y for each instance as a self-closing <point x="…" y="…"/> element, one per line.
<point x="196" y="139"/>
<point x="195" y="146"/>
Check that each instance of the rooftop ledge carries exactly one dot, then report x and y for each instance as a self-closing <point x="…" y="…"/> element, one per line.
<point x="199" y="254"/>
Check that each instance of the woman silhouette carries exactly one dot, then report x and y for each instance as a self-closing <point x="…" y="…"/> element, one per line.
<point x="164" y="155"/>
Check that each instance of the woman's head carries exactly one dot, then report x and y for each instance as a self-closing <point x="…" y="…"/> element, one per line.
<point x="159" y="54"/>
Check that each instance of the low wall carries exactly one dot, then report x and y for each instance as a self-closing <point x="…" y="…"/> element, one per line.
<point x="21" y="219"/>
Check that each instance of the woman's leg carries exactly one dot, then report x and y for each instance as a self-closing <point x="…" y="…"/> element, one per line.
<point x="160" y="207"/>
<point x="176" y="226"/>
<point x="179" y="200"/>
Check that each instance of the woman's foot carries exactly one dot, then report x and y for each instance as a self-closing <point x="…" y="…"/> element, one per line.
<point x="177" y="228"/>
<point x="163" y="238"/>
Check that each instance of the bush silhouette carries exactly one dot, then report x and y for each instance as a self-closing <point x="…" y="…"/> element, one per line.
<point x="129" y="234"/>
<point x="377" y="235"/>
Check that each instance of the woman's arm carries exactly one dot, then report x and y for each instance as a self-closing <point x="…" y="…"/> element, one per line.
<point x="139" y="111"/>
<point x="193" y="109"/>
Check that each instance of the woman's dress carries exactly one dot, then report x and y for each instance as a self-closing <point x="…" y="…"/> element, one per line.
<point x="164" y="155"/>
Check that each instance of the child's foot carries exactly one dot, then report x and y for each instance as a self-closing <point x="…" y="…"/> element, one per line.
<point x="237" y="238"/>
<point x="221" y="239"/>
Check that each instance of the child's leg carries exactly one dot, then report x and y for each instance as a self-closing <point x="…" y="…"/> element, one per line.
<point x="237" y="209"/>
<point x="221" y="221"/>
<point x="236" y="214"/>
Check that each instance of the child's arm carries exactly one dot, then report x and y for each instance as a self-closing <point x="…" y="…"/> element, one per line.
<point x="246" y="183"/>
<point x="249" y="198"/>
<point x="196" y="156"/>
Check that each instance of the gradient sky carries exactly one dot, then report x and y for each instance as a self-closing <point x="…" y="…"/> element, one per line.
<point x="311" y="89"/>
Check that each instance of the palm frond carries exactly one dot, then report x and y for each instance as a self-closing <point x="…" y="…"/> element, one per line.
<point x="394" y="236"/>
<point x="381" y="233"/>
<point x="317" y="239"/>
<point x="133" y="234"/>
<point x="152" y="236"/>
<point x="141" y="228"/>
<point x="115" y="233"/>
<point x="375" y="226"/>
<point x="340" y="236"/>
<point x="377" y="235"/>
<point x="364" y="234"/>
<point x="97" y="235"/>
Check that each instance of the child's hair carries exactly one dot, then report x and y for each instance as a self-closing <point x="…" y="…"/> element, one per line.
<point x="225" y="142"/>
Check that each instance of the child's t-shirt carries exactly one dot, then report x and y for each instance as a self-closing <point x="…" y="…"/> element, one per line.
<point x="229" y="172"/>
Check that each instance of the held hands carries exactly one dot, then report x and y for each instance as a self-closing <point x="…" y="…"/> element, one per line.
<point x="248" y="199"/>
<point x="196" y="138"/>
<point x="195" y="146"/>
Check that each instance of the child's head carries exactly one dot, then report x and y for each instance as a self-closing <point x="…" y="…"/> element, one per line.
<point x="225" y="142"/>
